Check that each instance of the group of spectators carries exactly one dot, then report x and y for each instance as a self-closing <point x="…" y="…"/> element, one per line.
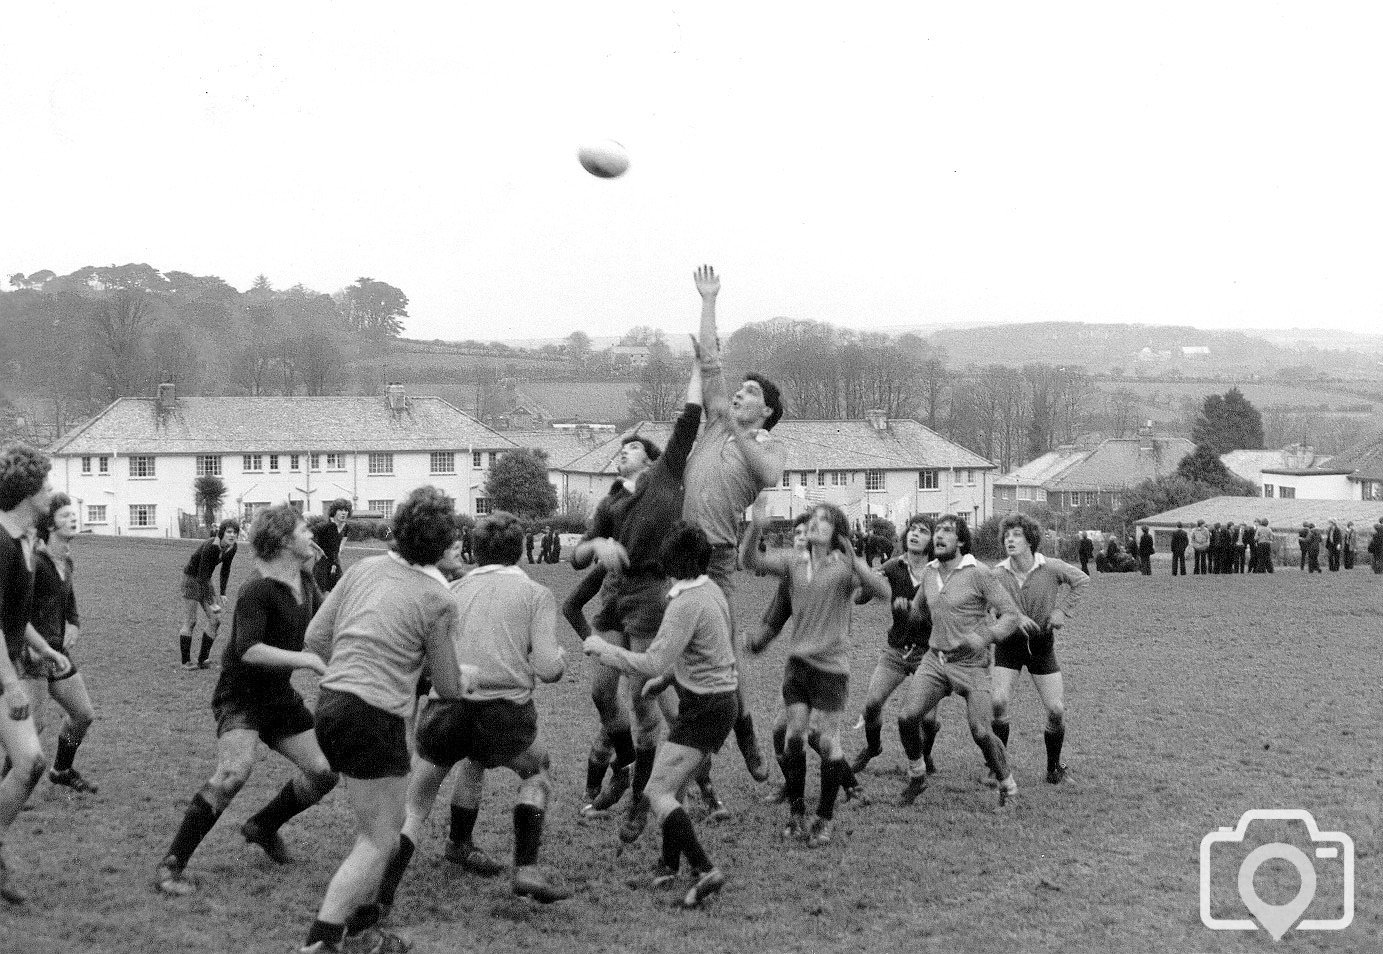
<point x="1236" y="548"/>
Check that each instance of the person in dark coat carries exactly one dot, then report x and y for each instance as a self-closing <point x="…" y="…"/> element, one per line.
<point x="1145" y="552"/>
<point x="545" y="548"/>
<point x="1302" y="534"/>
<point x="1180" y="541"/>
<point x="329" y="536"/>
<point x="1351" y="544"/>
<point x="1376" y="547"/>
<point x="1086" y="551"/>
<point x="1334" y="543"/>
<point x="554" y="550"/>
<point x="1249" y="557"/>
<point x="1313" y="549"/>
<point x="528" y="544"/>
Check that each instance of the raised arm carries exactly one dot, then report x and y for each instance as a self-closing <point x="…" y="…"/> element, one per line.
<point x="870" y="581"/>
<point x="774" y="561"/>
<point x="713" y="375"/>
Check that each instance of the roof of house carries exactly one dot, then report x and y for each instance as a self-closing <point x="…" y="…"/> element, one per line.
<point x="1365" y="458"/>
<point x="562" y="446"/>
<point x="1044" y="468"/>
<point x="826" y="445"/>
<point x="1284" y="515"/>
<point x="1249" y="464"/>
<point x="1123" y="462"/>
<point x="602" y="402"/>
<point x="234" y="425"/>
<point x="1309" y="471"/>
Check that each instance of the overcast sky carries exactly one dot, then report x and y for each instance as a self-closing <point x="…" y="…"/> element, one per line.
<point x="1218" y="164"/>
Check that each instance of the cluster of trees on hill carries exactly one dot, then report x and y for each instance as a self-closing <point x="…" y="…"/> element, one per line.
<point x="81" y="340"/>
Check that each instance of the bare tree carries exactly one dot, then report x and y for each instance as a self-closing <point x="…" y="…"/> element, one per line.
<point x="662" y="386"/>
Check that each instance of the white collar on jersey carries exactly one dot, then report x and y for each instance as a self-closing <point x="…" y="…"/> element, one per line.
<point x="1007" y="563"/>
<point x="682" y="586"/>
<point x="430" y="571"/>
<point x="967" y="559"/>
<point x="494" y="568"/>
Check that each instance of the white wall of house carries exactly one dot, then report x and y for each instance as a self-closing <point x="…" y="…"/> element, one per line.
<point x="965" y="491"/>
<point x="121" y="497"/>
<point x="1310" y="486"/>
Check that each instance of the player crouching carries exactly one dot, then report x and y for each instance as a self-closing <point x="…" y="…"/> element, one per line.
<point x="693" y="646"/>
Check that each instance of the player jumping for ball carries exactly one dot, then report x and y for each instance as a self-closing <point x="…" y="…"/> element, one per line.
<point x="734" y="459"/>
<point x="1035" y="583"/>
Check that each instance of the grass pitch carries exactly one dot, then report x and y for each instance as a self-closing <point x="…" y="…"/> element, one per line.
<point x="1189" y="701"/>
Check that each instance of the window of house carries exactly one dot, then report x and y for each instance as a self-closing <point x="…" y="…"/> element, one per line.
<point x="96" y="513"/>
<point x="142" y="515"/>
<point x="839" y="478"/>
<point x="274" y="463"/>
<point x="86" y="465"/>
<point x="252" y="463"/>
<point x="251" y="508"/>
<point x="1024" y="493"/>
<point x="380" y="464"/>
<point x="336" y="462"/>
<point x="1287" y="493"/>
<point x="482" y="505"/>
<point x="208" y="466"/>
<point x="294" y="462"/>
<point x="873" y="480"/>
<point x="103" y="465"/>
<point x="443" y="462"/>
<point x="927" y="480"/>
<point x="1267" y="490"/>
<point x="821" y="478"/>
<point x="385" y="507"/>
<point x="787" y="478"/>
<point x="142" y="465"/>
<point x="802" y="479"/>
<point x="476" y="458"/>
<point x="314" y="461"/>
<point x="1040" y="495"/>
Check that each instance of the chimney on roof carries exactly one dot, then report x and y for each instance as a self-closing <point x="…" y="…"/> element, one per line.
<point x="397" y="398"/>
<point x="167" y="398"/>
<point x="877" y="418"/>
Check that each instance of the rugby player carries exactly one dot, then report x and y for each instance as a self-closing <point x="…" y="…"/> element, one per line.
<point x="197" y="592"/>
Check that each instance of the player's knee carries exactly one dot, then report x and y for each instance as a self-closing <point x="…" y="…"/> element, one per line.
<point x="31" y="768"/>
<point x="321" y="780"/>
<point x="873" y="711"/>
<point x="1056" y="716"/>
<point x="228" y="780"/>
<point x="1000" y="706"/>
<point x="980" y="730"/>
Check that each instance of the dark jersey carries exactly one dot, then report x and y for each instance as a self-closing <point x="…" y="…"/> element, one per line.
<point x="265" y="612"/>
<point x="16" y="592"/>
<point x="205" y="560"/>
<point x="640" y="520"/>
<point x="908" y="630"/>
<point x="55" y="600"/>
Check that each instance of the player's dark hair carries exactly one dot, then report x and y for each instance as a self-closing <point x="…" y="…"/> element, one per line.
<point x="686" y="551"/>
<point x="498" y="538"/>
<point x="959" y="524"/>
<point x="340" y="503"/>
<point x="47" y="521"/>
<point x="424" y="526"/>
<point x="801" y="519"/>
<point x="1032" y="532"/>
<point x="773" y="399"/>
<point x="230" y="523"/>
<point x="926" y="523"/>
<point x="23" y="472"/>
<point x="649" y="448"/>
<point x="273" y="527"/>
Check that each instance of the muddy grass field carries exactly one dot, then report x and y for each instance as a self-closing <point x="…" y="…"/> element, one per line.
<point x="1190" y="701"/>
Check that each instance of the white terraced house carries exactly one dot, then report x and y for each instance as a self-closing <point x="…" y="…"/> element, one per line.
<point x="131" y="469"/>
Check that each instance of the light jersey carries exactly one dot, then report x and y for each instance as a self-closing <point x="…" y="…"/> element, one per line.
<point x="960" y="603"/>
<point x="693" y="641"/>
<point x="821" y="602"/>
<point x="508" y="631"/>
<point x="1038" y="591"/>
<point x="720" y="484"/>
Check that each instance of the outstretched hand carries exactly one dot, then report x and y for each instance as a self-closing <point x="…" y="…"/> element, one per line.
<point x="707" y="283"/>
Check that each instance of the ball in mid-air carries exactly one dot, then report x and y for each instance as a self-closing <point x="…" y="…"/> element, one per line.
<point x="605" y="159"/>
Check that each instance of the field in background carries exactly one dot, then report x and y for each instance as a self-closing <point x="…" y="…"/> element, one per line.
<point x="1190" y="701"/>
